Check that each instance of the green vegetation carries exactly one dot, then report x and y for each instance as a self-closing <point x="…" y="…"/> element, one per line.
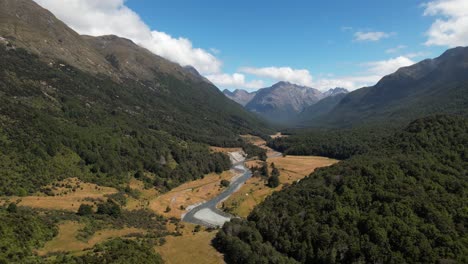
<point x="274" y="181"/>
<point x="253" y="151"/>
<point x="57" y="122"/>
<point x="21" y="231"/>
<point x="403" y="201"/>
<point x="333" y="143"/>
<point x="117" y="251"/>
<point x="85" y="209"/>
<point x="225" y="183"/>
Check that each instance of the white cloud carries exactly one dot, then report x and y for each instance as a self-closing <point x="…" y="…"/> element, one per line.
<point x="103" y="17"/>
<point x="396" y="49"/>
<point x="371" y="35"/>
<point x="236" y="80"/>
<point x="451" y="27"/>
<point x="373" y="72"/>
<point x="301" y="76"/>
<point x="385" y="67"/>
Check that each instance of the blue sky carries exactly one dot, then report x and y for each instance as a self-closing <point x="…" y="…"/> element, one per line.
<point x="251" y="44"/>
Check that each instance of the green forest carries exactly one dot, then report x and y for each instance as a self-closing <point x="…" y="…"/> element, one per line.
<point x="403" y="200"/>
<point x="57" y="122"/>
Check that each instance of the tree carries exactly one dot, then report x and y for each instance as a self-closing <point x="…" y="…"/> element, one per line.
<point x="12" y="208"/>
<point x="225" y="183"/>
<point x="109" y="208"/>
<point x="273" y="181"/>
<point x="85" y="209"/>
<point x="264" y="170"/>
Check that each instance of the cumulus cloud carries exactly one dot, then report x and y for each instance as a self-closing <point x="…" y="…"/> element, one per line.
<point x="106" y="17"/>
<point x="385" y="67"/>
<point x="373" y="72"/>
<point x="451" y="27"/>
<point x="371" y="35"/>
<point x="297" y="76"/>
<point x="236" y="80"/>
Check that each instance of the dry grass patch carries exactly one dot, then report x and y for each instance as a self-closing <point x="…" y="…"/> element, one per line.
<point x="293" y="168"/>
<point x="254" y="191"/>
<point x="67" y="195"/>
<point x="145" y="197"/>
<point x="66" y="240"/>
<point x="278" y="135"/>
<point x="254" y="140"/>
<point x="189" y="194"/>
<point x="224" y="150"/>
<point x="194" y="248"/>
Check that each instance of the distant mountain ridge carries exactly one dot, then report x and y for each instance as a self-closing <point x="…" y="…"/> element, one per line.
<point x="432" y="86"/>
<point x="240" y="96"/>
<point x="282" y="102"/>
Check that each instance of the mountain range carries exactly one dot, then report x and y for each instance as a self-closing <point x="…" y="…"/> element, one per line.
<point x="282" y="102"/>
<point x="432" y="86"/>
<point x="103" y="110"/>
<point x="63" y="94"/>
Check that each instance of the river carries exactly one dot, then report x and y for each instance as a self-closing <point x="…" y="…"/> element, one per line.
<point x="207" y="213"/>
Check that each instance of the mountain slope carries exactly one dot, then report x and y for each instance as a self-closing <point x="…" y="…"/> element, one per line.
<point x="60" y="117"/>
<point x="402" y="202"/>
<point x="240" y="96"/>
<point x="322" y="107"/>
<point x="29" y="26"/>
<point x="282" y="101"/>
<point x="431" y="86"/>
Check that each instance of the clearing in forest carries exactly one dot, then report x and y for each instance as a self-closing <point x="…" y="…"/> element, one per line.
<point x="255" y="191"/>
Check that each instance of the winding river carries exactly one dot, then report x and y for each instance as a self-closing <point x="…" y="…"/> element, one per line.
<point x="207" y="213"/>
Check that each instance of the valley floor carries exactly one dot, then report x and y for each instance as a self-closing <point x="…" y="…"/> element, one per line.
<point x="186" y="243"/>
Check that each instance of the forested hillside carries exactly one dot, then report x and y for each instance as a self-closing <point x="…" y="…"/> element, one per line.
<point x="58" y="122"/>
<point x="403" y="201"/>
<point x="120" y="111"/>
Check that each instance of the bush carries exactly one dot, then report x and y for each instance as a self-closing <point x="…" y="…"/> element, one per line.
<point x="225" y="183"/>
<point x="85" y="209"/>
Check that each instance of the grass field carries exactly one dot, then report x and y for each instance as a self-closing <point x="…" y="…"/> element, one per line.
<point x="278" y="135"/>
<point x="191" y="247"/>
<point x="66" y="240"/>
<point x="189" y="194"/>
<point x="254" y="191"/>
<point x="224" y="150"/>
<point x="68" y="195"/>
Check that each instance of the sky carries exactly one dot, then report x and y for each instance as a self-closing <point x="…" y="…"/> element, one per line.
<point x="253" y="44"/>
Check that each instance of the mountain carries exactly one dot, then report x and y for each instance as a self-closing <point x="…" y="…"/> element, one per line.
<point x="101" y="108"/>
<point x="335" y="91"/>
<point x="282" y="101"/>
<point x="34" y="28"/>
<point x="399" y="202"/>
<point x="239" y="96"/>
<point x="322" y="107"/>
<point x="432" y="86"/>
